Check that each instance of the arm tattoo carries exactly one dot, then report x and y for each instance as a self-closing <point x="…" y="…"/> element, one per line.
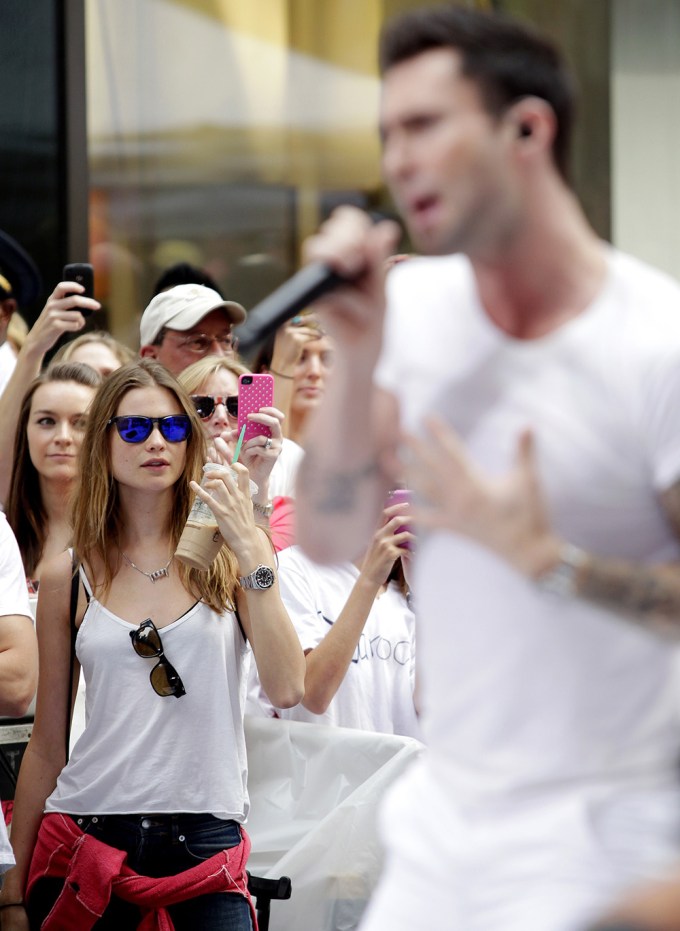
<point x="336" y="492"/>
<point x="648" y="595"/>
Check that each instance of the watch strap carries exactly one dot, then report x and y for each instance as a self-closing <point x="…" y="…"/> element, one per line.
<point x="260" y="579"/>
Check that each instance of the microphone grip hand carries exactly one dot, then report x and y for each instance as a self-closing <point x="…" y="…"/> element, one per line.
<point x="350" y="247"/>
<point x="305" y="287"/>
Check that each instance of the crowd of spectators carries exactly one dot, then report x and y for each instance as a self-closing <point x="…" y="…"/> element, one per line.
<point x="529" y="374"/>
<point x="102" y="449"/>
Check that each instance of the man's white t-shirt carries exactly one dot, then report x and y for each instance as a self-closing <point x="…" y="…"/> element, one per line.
<point x="13" y="600"/>
<point x="527" y="696"/>
<point x="377" y="691"/>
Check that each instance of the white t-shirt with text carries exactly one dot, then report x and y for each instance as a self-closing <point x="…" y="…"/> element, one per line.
<point x="377" y="691"/>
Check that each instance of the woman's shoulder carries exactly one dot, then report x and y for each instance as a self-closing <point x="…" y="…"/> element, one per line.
<point x="57" y="569"/>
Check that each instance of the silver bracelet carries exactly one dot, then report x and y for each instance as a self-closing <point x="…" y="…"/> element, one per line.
<point x="562" y="579"/>
<point x="265" y="510"/>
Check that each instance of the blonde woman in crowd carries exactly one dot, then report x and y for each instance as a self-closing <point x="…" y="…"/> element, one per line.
<point x="212" y="383"/>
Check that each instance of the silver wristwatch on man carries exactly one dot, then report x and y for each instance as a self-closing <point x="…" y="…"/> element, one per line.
<point x="562" y="579"/>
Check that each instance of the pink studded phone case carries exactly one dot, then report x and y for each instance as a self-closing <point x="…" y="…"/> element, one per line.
<point x="254" y="392"/>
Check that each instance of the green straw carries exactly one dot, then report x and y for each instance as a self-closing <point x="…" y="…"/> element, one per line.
<point x="239" y="443"/>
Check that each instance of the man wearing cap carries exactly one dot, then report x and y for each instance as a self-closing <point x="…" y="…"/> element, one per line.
<point x="19" y="285"/>
<point x="187" y="322"/>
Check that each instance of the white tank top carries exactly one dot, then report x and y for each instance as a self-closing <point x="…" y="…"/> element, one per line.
<point x="140" y="753"/>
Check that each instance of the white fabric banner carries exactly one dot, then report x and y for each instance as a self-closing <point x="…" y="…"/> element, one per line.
<point x="314" y="792"/>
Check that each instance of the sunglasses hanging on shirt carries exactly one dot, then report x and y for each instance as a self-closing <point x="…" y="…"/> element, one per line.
<point x="165" y="680"/>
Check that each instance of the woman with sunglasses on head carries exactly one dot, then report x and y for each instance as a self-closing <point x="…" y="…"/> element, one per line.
<point x="147" y="814"/>
<point x="213" y="385"/>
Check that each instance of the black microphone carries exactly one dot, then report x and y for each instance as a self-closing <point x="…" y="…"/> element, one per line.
<point x="305" y="287"/>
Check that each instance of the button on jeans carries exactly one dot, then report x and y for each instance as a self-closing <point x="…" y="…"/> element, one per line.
<point x="158" y="845"/>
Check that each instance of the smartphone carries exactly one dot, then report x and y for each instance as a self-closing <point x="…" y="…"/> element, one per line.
<point x="82" y="273"/>
<point x="400" y="496"/>
<point x="254" y="392"/>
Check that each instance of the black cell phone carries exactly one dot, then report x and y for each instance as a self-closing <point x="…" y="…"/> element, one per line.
<point x="83" y="274"/>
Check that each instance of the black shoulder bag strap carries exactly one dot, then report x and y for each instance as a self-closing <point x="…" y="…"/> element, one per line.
<point x="75" y="581"/>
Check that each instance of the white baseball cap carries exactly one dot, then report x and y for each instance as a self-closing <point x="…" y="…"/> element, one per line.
<point x="182" y="307"/>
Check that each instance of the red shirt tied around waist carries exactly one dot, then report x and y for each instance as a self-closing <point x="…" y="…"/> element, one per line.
<point x="93" y="871"/>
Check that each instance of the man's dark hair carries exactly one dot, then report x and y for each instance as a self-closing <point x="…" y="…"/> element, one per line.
<point x="508" y="60"/>
<point x="183" y="273"/>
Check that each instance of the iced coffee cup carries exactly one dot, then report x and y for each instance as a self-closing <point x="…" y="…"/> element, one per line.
<point x="201" y="539"/>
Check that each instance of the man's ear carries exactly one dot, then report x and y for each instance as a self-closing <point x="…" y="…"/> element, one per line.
<point x="148" y="352"/>
<point x="533" y="123"/>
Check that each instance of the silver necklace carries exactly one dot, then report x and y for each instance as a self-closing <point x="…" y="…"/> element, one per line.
<point x="156" y="574"/>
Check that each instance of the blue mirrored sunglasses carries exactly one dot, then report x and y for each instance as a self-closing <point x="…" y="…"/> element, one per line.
<point x="135" y="429"/>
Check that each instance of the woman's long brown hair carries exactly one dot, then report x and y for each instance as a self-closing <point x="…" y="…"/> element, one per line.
<point x="96" y="503"/>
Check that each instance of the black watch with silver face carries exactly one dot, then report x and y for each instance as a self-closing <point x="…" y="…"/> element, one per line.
<point x="259" y="579"/>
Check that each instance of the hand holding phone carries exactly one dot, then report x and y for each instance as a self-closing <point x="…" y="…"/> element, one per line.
<point x="254" y="392"/>
<point x="83" y="274"/>
<point x="401" y="496"/>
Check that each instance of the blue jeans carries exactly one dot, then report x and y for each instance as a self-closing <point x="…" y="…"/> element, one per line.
<point x="158" y="845"/>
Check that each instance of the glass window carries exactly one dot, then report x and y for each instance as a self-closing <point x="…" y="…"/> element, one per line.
<point x="221" y="132"/>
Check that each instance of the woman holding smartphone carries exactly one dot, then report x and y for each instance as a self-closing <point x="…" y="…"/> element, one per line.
<point x="213" y="384"/>
<point x="148" y="813"/>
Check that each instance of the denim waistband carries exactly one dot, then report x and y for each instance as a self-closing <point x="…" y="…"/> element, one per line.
<point x="151" y="819"/>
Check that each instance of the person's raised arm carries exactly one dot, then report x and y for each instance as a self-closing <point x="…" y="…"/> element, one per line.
<point x="352" y="436"/>
<point x="279" y="659"/>
<point x="45" y="754"/>
<point x="59" y="315"/>
<point x="327" y="663"/>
